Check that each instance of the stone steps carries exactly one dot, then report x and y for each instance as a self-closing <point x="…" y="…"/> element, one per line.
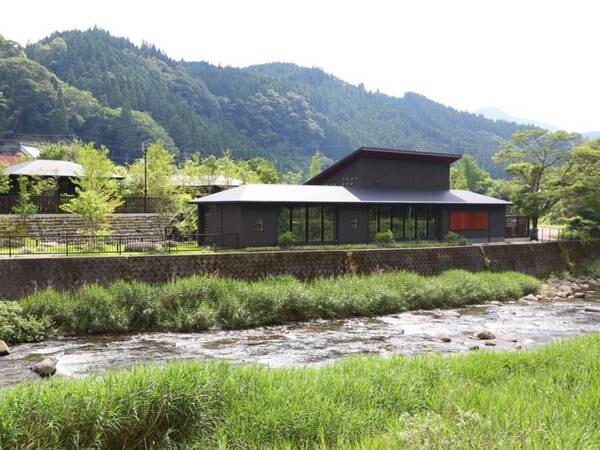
<point x="54" y="224"/>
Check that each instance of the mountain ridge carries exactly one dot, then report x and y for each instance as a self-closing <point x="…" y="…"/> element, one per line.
<point x="277" y="110"/>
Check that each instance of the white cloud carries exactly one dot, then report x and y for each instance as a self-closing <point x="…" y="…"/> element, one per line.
<point x="534" y="59"/>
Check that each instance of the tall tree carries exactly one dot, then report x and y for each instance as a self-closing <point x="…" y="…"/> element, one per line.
<point x="4" y="180"/>
<point x="466" y="174"/>
<point x="160" y="168"/>
<point x="316" y="164"/>
<point x="97" y="191"/>
<point x="537" y="163"/>
<point x="579" y="203"/>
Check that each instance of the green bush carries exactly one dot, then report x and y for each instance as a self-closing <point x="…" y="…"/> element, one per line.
<point x="286" y="239"/>
<point x="594" y="269"/>
<point x="453" y="238"/>
<point x="17" y="327"/>
<point x="384" y="237"/>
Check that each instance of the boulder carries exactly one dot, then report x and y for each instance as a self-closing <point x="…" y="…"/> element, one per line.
<point x="484" y="335"/>
<point x="592" y="309"/>
<point x="140" y="246"/>
<point x="517" y="346"/>
<point x="473" y="347"/>
<point x="490" y="343"/>
<point x="579" y="294"/>
<point x="12" y="243"/>
<point x="45" y="368"/>
<point x="510" y="338"/>
<point x="444" y="338"/>
<point x="529" y="298"/>
<point x="4" y="350"/>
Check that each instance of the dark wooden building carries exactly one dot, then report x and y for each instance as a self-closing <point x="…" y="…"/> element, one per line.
<point x="370" y="190"/>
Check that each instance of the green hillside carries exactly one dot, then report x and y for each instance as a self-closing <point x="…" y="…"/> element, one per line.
<point x="100" y="87"/>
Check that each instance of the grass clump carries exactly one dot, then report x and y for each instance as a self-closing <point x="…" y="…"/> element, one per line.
<point x="547" y="398"/>
<point x="199" y="302"/>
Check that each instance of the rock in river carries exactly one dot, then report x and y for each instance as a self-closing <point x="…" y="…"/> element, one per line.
<point x="592" y="309"/>
<point x="4" y="350"/>
<point x="45" y="368"/>
<point x="484" y="335"/>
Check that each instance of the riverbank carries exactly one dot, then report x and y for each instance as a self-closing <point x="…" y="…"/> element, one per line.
<point x="544" y="398"/>
<point x="204" y="301"/>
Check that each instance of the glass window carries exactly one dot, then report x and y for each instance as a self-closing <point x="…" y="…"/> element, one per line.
<point x="409" y="223"/>
<point x="299" y="223"/>
<point x="354" y="223"/>
<point x="421" y="223"/>
<point x="433" y="224"/>
<point x="385" y="214"/>
<point x="328" y="223"/>
<point x="372" y="221"/>
<point x="398" y="213"/>
<point x="260" y="224"/>
<point x="314" y="223"/>
<point x="283" y="221"/>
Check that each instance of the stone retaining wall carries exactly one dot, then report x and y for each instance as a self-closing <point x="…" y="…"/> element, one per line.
<point x="47" y="224"/>
<point x="21" y="276"/>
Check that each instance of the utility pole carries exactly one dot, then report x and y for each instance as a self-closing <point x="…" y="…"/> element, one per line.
<point x="145" y="177"/>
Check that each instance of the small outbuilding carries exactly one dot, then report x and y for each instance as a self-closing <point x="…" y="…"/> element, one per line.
<point x="370" y="190"/>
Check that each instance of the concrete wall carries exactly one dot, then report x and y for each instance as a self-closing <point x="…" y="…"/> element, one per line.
<point x="21" y="276"/>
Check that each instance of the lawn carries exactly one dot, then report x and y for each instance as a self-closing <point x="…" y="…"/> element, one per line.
<point x="546" y="398"/>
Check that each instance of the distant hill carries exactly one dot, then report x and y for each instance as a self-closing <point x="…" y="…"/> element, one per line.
<point x="498" y="114"/>
<point x="105" y="88"/>
<point x="591" y="134"/>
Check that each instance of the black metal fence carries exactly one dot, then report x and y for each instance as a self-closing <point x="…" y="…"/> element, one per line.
<point x="51" y="204"/>
<point x="517" y="227"/>
<point x="75" y="244"/>
<point x="546" y="234"/>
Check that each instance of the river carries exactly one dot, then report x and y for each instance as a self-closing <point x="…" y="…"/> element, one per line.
<point x="516" y="325"/>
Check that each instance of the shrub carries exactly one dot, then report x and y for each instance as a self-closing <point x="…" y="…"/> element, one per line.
<point x="286" y="239"/>
<point x="453" y="238"/>
<point x="17" y="327"/>
<point x="595" y="268"/>
<point x="384" y="237"/>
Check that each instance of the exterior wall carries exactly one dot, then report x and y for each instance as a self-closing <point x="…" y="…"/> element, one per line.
<point x="496" y="225"/>
<point x="391" y="173"/>
<point x="24" y="275"/>
<point x="345" y="233"/>
<point x="388" y="173"/>
<point x="249" y="235"/>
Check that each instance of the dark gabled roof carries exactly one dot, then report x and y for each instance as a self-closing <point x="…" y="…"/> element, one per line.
<point x="389" y="153"/>
<point x="293" y="193"/>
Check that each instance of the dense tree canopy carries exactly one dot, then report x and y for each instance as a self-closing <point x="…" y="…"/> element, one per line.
<point x="106" y="89"/>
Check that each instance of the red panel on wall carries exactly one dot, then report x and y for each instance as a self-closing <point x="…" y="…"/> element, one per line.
<point x="468" y="220"/>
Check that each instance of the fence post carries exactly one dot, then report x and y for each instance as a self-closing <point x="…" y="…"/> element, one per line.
<point x="119" y="245"/>
<point x="10" y="246"/>
<point x="67" y="244"/>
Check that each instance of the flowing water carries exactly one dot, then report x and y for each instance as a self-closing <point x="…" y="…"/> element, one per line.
<point x="518" y="324"/>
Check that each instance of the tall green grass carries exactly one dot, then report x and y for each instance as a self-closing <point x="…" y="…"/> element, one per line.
<point x="547" y="398"/>
<point x="197" y="303"/>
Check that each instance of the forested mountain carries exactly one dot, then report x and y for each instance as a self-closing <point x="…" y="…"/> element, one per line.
<point x="105" y="88"/>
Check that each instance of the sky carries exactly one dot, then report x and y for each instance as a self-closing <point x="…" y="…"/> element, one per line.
<point x="533" y="59"/>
